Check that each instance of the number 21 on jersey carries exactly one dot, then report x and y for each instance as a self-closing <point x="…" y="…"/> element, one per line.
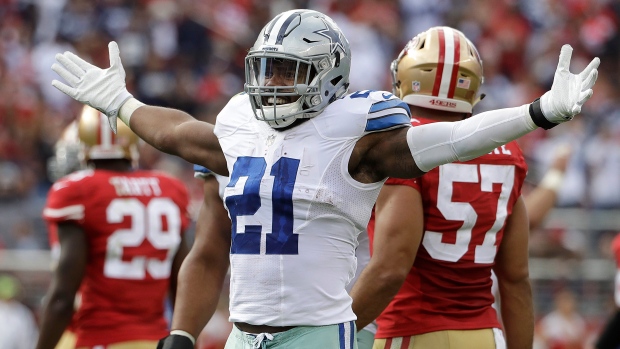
<point x="463" y="211"/>
<point x="247" y="175"/>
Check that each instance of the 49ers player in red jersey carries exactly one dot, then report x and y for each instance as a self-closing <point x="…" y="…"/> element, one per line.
<point x="469" y="218"/>
<point x="66" y="160"/>
<point x="121" y="234"/>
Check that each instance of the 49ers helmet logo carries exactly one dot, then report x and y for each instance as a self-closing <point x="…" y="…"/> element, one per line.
<point x="440" y="103"/>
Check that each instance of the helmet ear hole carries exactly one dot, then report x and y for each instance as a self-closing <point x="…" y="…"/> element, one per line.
<point x="336" y="80"/>
<point x="337" y="59"/>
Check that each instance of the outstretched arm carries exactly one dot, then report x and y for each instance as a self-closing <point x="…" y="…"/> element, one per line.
<point x="439" y="143"/>
<point x="175" y="132"/>
<point x="168" y="130"/>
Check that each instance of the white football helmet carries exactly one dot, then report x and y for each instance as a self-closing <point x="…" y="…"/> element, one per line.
<point x="306" y="48"/>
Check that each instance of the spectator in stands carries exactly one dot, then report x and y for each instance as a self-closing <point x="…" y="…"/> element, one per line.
<point x="564" y="327"/>
<point x="19" y="328"/>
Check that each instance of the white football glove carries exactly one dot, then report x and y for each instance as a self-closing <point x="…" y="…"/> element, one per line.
<point x="102" y="89"/>
<point x="569" y="91"/>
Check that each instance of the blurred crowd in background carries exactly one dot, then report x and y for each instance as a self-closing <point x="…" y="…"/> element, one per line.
<point x="189" y="54"/>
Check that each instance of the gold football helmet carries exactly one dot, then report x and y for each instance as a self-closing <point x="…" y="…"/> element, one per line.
<point x="438" y="69"/>
<point x="98" y="140"/>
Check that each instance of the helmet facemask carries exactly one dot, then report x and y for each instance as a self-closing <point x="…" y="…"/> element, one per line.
<point x="279" y="88"/>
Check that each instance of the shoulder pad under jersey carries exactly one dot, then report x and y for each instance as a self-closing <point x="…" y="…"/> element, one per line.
<point x="237" y="112"/>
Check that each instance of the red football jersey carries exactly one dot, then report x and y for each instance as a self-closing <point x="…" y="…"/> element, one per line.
<point x="465" y="208"/>
<point x="133" y="224"/>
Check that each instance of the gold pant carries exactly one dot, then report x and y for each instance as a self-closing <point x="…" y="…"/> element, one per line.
<point x="450" y="339"/>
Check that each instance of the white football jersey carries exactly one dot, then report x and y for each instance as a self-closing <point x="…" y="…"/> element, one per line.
<point x="295" y="210"/>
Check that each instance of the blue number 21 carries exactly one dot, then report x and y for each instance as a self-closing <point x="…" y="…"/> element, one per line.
<point x="281" y="240"/>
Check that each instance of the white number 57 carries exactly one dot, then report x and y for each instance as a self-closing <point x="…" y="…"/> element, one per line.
<point x="463" y="211"/>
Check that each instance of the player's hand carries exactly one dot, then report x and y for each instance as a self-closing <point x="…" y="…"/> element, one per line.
<point x="569" y="91"/>
<point x="102" y="89"/>
<point x="175" y="341"/>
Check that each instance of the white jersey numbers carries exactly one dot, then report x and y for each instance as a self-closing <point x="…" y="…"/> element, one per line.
<point x="450" y="174"/>
<point x="147" y="222"/>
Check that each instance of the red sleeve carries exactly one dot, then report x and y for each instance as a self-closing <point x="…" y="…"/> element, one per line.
<point x="181" y="197"/>
<point x="414" y="183"/>
<point x="65" y="202"/>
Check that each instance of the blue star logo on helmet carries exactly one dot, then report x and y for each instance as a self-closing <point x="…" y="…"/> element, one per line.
<point x="333" y="35"/>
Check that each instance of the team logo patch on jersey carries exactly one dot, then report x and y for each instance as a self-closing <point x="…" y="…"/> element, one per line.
<point x="463" y="83"/>
<point x="415" y="86"/>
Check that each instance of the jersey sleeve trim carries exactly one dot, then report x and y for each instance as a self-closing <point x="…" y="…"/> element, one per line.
<point x="388" y="114"/>
<point x="389" y="104"/>
<point x="385" y="122"/>
<point x="201" y="172"/>
<point x="73" y="212"/>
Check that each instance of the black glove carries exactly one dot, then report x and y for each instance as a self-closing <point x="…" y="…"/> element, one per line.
<point x="175" y="341"/>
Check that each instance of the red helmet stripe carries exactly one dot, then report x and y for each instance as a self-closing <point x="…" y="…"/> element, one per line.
<point x="455" y="67"/>
<point x="99" y="130"/>
<point x="440" y="62"/>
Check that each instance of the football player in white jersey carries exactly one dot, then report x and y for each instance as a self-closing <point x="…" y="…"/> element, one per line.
<point x="213" y="220"/>
<point x="306" y="162"/>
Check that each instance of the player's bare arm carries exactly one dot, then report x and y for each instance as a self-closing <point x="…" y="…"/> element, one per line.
<point x="175" y="132"/>
<point x="383" y="154"/>
<point x="206" y="265"/>
<point x="399" y="219"/>
<point x="511" y="269"/>
<point x="60" y="300"/>
<point x="179" y="257"/>
<point x="430" y="145"/>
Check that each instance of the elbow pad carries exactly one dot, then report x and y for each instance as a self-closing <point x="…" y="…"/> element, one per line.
<point x="440" y="143"/>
